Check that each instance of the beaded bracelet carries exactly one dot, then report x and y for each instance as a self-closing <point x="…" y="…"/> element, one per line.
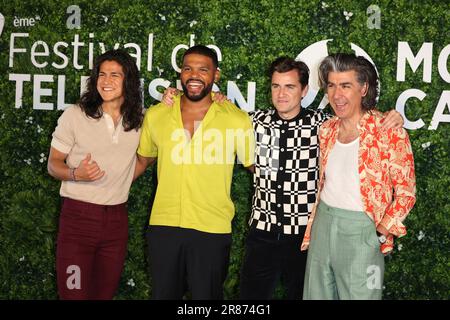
<point x="72" y="174"/>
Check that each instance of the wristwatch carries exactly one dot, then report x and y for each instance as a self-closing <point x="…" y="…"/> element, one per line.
<point x="381" y="237"/>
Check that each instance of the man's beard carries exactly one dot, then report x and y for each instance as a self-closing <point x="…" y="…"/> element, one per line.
<point x="206" y="90"/>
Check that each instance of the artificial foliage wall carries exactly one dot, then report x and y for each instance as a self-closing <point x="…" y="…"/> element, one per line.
<point x="47" y="49"/>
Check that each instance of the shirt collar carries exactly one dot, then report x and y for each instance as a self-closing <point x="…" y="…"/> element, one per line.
<point x="364" y="120"/>
<point x="300" y="115"/>
<point x="176" y="111"/>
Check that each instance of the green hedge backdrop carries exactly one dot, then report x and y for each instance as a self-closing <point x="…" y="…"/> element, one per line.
<point x="250" y="34"/>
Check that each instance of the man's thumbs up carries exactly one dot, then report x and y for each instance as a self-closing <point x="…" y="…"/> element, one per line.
<point x="88" y="170"/>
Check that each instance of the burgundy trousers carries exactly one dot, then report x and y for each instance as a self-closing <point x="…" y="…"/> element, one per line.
<point x="91" y="249"/>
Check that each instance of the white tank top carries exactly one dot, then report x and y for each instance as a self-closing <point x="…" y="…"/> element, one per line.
<point x="342" y="184"/>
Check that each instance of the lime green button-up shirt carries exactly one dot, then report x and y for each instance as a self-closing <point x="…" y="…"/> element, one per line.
<point x="194" y="175"/>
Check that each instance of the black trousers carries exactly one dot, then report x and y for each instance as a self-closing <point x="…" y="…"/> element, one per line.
<point x="186" y="259"/>
<point x="270" y="257"/>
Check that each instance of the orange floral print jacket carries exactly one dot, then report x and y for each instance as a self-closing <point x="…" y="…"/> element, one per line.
<point x="386" y="172"/>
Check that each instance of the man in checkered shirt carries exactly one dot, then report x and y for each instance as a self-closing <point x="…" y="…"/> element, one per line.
<point x="285" y="181"/>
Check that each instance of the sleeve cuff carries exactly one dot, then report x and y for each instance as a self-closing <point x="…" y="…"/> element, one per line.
<point x="147" y="155"/>
<point x="58" y="145"/>
<point x="393" y="225"/>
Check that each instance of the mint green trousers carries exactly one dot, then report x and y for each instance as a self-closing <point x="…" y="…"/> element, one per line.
<point x="344" y="258"/>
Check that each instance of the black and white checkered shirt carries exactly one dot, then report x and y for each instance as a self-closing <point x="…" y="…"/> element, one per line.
<point x="286" y="170"/>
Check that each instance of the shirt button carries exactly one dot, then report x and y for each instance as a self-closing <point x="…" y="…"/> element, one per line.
<point x="282" y="131"/>
<point x="279" y="224"/>
<point x="281" y="168"/>
<point x="279" y="187"/>
<point x="278" y="205"/>
<point x="282" y="149"/>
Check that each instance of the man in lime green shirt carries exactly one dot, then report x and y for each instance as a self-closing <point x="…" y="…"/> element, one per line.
<point x="196" y="143"/>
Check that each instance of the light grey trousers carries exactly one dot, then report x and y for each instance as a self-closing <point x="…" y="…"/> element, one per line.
<point x="344" y="258"/>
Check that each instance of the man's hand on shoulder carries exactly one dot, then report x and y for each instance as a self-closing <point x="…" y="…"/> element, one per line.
<point x="219" y="97"/>
<point x="392" y="120"/>
<point x="168" y="96"/>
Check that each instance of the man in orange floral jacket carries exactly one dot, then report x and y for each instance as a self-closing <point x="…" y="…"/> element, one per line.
<point x="366" y="189"/>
